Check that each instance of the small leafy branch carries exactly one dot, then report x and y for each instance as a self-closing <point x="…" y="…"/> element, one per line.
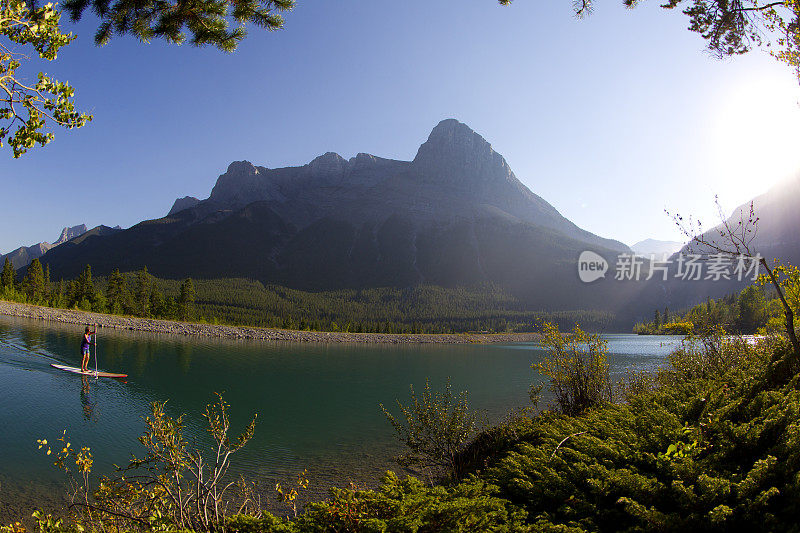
<point x="289" y="497"/>
<point x="45" y="523"/>
<point x="174" y="486"/>
<point x="77" y="464"/>
<point x="681" y="449"/>
<point x="435" y="426"/>
<point x="27" y="110"/>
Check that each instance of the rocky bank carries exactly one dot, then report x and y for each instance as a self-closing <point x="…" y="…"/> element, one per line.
<point x="73" y="316"/>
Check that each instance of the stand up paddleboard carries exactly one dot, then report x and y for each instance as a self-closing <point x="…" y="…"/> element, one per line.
<point x="96" y="373"/>
<point x="93" y="373"/>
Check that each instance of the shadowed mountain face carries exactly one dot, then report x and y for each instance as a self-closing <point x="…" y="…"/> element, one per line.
<point x="455" y="175"/>
<point x="183" y="203"/>
<point x="456" y="215"/>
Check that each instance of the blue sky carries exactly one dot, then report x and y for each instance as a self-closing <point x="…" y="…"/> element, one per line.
<point x="611" y="119"/>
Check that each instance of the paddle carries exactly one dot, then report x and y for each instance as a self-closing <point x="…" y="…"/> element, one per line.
<point x="95" y="350"/>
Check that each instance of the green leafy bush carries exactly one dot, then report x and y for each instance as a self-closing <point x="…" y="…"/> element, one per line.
<point x="436" y="426"/>
<point x="577" y="366"/>
<point x="706" y="451"/>
<point x="409" y="505"/>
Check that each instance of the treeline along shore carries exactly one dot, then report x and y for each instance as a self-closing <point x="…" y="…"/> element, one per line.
<point x="419" y="312"/>
<point x="152" y="325"/>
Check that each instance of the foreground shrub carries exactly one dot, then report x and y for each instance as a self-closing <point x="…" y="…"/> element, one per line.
<point x="176" y="485"/>
<point x="436" y="427"/>
<point x="399" y="505"/>
<point x="711" y="353"/>
<point x="577" y="366"/>
<point x="409" y="505"/>
<point x="714" y="453"/>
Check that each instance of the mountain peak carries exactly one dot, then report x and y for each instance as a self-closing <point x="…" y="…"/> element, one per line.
<point x="241" y="181"/>
<point x="183" y="203"/>
<point x="242" y="167"/>
<point x="451" y="130"/>
<point x="455" y="153"/>
<point x="327" y="165"/>
<point x="455" y="139"/>
<point x="23" y="255"/>
<point x="70" y="233"/>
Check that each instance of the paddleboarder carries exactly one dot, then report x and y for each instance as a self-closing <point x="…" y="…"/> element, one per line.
<point x="85" y="347"/>
<point x="89" y="338"/>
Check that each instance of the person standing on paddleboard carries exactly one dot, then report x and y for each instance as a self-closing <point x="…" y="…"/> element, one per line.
<point x="85" y="347"/>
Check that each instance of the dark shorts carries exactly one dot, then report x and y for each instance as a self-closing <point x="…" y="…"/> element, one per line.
<point x="85" y="350"/>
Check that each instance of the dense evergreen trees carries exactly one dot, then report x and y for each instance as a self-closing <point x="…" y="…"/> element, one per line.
<point x="33" y="284"/>
<point x="143" y="293"/>
<point x="137" y="294"/>
<point x="118" y="297"/>
<point x="82" y="291"/>
<point x="9" y="275"/>
<point x="746" y="312"/>
<point x="186" y="300"/>
<point x="421" y="309"/>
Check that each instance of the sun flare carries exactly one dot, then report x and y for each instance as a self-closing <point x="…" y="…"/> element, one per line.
<point x="756" y="136"/>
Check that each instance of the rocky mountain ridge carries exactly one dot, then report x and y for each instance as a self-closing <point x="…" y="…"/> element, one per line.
<point x="455" y="175"/>
<point x="22" y="256"/>
<point x="456" y="215"/>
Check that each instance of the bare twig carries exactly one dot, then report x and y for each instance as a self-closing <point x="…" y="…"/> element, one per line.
<point x="565" y="440"/>
<point x="736" y="240"/>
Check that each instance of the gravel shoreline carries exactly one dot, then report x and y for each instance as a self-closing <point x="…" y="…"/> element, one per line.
<point x="72" y="316"/>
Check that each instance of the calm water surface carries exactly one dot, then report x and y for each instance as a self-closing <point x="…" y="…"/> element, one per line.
<point x="317" y="404"/>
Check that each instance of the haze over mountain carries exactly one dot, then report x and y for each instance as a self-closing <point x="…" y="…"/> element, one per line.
<point x="456" y="215"/>
<point x="657" y="248"/>
<point x="774" y="235"/>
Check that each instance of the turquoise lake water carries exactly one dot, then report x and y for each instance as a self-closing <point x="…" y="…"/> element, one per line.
<point x="317" y="404"/>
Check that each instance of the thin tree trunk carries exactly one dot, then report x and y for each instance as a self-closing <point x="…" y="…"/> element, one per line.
<point x="786" y="309"/>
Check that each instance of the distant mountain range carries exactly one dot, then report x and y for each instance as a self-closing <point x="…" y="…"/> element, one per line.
<point x="22" y="256"/>
<point x="456" y="215"/>
<point x="656" y="248"/>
